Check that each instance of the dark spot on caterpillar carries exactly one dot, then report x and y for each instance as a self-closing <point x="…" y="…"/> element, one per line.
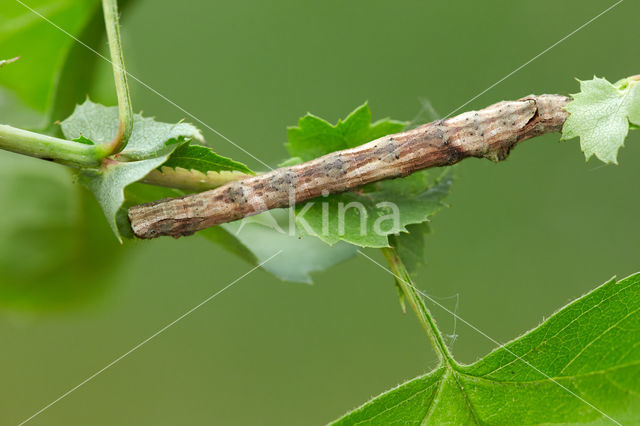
<point x="453" y="155"/>
<point x="334" y="168"/>
<point x="385" y="152"/>
<point x="283" y="180"/>
<point x="235" y="194"/>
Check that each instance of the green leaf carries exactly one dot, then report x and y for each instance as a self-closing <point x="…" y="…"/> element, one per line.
<point x="53" y="240"/>
<point x="55" y="72"/>
<point x="601" y="115"/>
<point x="367" y="217"/>
<point x="588" y="351"/>
<point x="314" y="136"/>
<point x="150" y="145"/>
<point x="30" y="86"/>
<point x="204" y="160"/>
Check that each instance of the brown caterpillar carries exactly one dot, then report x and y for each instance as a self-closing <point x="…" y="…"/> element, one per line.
<point x="487" y="133"/>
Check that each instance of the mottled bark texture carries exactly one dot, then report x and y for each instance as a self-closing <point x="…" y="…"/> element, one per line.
<point x="488" y="133"/>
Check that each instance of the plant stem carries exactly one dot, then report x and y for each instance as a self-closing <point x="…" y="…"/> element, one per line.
<point x="424" y="316"/>
<point x="125" y="108"/>
<point x="62" y="151"/>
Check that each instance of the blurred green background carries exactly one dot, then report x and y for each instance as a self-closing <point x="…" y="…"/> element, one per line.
<point x="521" y="238"/>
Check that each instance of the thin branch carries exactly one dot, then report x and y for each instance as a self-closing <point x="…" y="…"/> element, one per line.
<point x="488" y="133"/>
<point x="125" y="108"/>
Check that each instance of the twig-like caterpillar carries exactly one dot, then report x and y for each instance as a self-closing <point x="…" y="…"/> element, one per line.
<point x="488" y="133"/>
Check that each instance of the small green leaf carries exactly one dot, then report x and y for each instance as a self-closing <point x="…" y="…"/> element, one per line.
<point x="203" y="159"/>
<point x="31" y="84"/>
<point x="314" y="136"/>
<point x="601" y="115"/>
<point x="367" y="217"/>
<point x="83" y="140"/>
<point x="588" y="351"/>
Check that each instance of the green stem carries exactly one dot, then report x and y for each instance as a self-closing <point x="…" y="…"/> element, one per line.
<point x="424" y="316"/>
<point x="62" y="151"/>
<point x="125" y="108"/>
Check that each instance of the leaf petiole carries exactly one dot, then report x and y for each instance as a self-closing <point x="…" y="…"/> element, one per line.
<point x="404" y="281"/>
<point x="125" y="107"/>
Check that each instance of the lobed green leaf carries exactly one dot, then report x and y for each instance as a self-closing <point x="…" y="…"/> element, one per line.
<point x="315" y="137"/>
<point x="601" y="114"/>
<point x="582" y="365"/>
